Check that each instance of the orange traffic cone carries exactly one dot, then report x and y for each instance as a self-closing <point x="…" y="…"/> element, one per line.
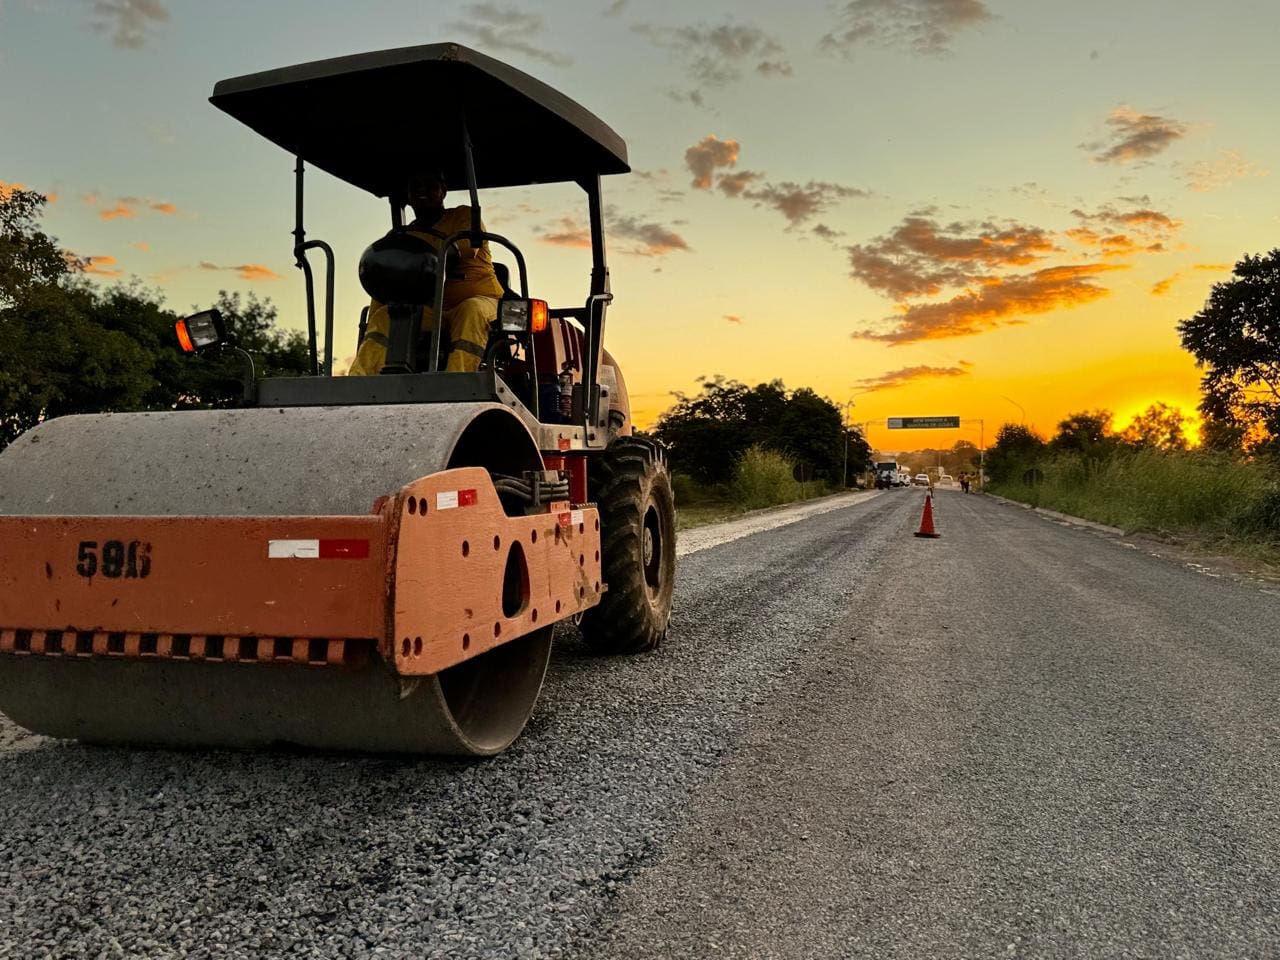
<point x="926" y="521"/>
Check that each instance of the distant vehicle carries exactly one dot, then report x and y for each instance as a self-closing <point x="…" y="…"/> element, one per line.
<point x="946" y="480"/>
<point x="921" y="480"/>
<point x="886" y="474"/>
<point x="904" y="479"/>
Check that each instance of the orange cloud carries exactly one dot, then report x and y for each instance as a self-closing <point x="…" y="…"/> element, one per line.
<point x="708" y="154"/>
<point x="997" y="302"/>
<point x="121" y="211"/>
<point x="654" y="239"/>
<point x="905" y="375"/>
<point x="733" y="318"/>
<point x="921" y="258"/>
<point x="126" y="208"/>
<point x="571" y="234"/>
<point x="9" y="189"/>
<point x="1162" y="287"/>
<point x="245" y="271"/>
<point x="141" y="245"/>
<point x="101" y="266"/>
<point x="1135" y="136"/>
<point x="734" y="184"/>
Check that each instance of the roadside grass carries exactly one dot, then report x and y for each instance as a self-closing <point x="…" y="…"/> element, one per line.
<point x="1222" y="503"/>
<point x="764" y="478"/>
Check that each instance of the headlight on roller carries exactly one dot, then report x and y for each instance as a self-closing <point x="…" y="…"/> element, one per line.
<point x="520" y="315"/>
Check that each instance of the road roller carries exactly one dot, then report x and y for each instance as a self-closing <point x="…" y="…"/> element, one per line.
<point x="368" y="563"/>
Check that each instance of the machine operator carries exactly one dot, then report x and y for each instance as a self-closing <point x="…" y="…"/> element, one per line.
<point x="471" y="290"/>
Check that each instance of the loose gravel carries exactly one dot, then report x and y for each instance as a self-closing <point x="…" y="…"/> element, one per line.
<point x="117" y="853"/>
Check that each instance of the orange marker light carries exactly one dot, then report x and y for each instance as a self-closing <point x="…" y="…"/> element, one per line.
<point x="537" y="316"/>
<point x="184" y="337"/>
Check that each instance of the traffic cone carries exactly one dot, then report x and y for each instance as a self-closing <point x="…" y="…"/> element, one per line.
<point x="926" y="520"/>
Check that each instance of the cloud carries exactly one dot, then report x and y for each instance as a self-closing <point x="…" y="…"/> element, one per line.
<point x="615" y="8"/>
<point x="995" y="302"/>
<point x="905" y="375"/>
<point x="129" y="22"/>
<point x="921" y="26"/>
<point x="121" y="211"/>
<point x="1162" y="287"/>
<point x="921" y="258"/>
<point x="1135" y="136"/>
<point x="245" y="271"/>
<point x="654" y="240"/>
<point x="141" y="245"/>
<point x="827" y="233"/>
<point x="649" y="239"/>
<point x="735" y="184"/>
<point x="706" y="156"/>
<point x="571" y="233"/>
<point x="1120" y="233"/>
<point x="101" y="266"/>
<point x="733" y="318"/>
<point x="798" y="202"/>
<point x="126" y="208"/>
<point x="715" y="56"/>
<point x="1205" y="175"/>
<point x="499" y="27"/>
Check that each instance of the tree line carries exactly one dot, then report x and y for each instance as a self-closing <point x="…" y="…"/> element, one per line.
<point x="69" y="346"/>
<point x="708" y="433"/>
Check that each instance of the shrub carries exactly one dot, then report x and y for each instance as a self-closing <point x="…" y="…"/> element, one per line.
<point x="764" y="478"/>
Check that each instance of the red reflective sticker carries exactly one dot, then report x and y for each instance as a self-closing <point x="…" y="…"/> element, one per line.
<point x="564" y="443"/>
<point x="565" y="519"/>
<point x="466" y="498"/>
<point x="344" y="549"/>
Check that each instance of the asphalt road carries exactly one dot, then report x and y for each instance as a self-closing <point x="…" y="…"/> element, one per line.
<point x="1022" y="739"/>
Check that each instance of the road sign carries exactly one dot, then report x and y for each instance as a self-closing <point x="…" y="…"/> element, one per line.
<point x="923" y="423"/>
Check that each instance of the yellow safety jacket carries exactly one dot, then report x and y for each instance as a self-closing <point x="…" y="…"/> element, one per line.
<point x="471" y="275"/>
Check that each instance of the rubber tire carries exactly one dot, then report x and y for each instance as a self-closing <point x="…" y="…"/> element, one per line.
<point x="631" y="486"/>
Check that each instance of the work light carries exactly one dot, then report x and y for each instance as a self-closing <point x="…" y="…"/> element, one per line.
<point x="519" y="315"/>
<point x="200" y="330"/>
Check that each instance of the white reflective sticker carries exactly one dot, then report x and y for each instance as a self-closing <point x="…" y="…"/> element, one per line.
<point x="285" y="549"/>
<point x="447" y="500"/>
<point x="576" y="517"/>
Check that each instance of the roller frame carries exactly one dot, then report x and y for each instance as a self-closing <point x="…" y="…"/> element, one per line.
<point x="422" y="585"/>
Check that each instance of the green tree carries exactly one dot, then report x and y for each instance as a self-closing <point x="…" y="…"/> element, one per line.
<point x="1087" y="432"/>
<point x="708" y="433"/>
<point x="1159" y="427"/>
<point x="1235" y="339"/>
<point x="28" y="256"/>
<point x="1016" y="450"/>
<point x="71" y="347"/>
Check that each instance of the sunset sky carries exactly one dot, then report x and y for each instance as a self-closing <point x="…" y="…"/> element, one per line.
<point x="929" y="207"/>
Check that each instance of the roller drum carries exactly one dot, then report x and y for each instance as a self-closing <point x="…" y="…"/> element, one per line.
<point x="309" y="461"/>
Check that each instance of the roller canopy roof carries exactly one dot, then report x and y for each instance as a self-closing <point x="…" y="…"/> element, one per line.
<point x="372" y="118"/>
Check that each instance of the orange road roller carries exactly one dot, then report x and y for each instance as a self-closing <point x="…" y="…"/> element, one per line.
<point x="372" y="563"/>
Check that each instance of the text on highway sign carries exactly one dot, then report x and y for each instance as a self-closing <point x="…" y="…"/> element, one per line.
<point x="923" y="423"/>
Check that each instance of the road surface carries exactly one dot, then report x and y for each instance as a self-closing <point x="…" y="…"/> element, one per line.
<point x="1021" y="740"/>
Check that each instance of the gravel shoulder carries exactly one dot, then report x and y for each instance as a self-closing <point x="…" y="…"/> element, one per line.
<point x="1024" y="740"/>
<point x="114" y="853"/>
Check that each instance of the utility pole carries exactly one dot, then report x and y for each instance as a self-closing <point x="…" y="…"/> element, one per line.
<point x="844" y="422"/>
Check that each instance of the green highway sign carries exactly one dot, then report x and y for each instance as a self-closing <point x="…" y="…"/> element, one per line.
<point x="923" y="423"/>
